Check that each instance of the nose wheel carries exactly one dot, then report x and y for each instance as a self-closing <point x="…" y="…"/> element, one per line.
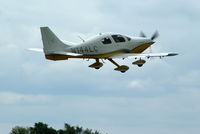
<point x="121" y="68"/>
<point x="139" y="62"/>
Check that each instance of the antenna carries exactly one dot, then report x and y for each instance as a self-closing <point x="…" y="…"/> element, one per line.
<point x="81" y="38"/>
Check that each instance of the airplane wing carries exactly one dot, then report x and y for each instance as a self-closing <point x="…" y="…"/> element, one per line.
<point x="60" y="53"/>
<point x="143" y="55"/>
<point x="35" y="49"/>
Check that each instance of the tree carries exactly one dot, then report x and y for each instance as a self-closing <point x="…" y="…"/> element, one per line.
<point x="19" y="130"/>
<point x="41" y="128"/>
<point x="79" y="130"/>
<point x="87" y="131"/>
<point x="38" y="128"/>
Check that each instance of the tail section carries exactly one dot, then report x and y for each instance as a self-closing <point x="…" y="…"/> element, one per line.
<point x="51" y="42"/>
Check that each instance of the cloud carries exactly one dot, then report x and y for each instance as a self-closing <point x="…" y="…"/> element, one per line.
<point x="161" y="96"/>
<point x="179" y="110"/>
<point x="139" y="84"/>
<point x="17" y="98"/>
<point x="190" y="78"/>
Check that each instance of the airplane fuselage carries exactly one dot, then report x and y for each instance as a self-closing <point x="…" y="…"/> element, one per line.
<point x="98" y="46"/>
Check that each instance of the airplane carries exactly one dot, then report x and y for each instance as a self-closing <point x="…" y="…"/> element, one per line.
<point x="102" y="47"/>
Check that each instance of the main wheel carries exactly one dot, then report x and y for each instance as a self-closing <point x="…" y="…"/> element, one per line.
<point x="140" y="65"/>
<point x="97" y="67"/>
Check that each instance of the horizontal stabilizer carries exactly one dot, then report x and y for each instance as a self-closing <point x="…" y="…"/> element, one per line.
<point x="35" y="49"/>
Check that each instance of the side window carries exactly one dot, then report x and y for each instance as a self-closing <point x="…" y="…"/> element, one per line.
<point x="129" y="39"/>
<point x="118" y="38"/>
<point x="106" y="41"/>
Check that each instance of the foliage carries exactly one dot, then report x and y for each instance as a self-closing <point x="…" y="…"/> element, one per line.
<point x="41" y="128"/>
<point x="19" y="130"/>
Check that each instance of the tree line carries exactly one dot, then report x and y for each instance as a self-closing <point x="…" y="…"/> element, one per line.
<point x="42" y="128"/>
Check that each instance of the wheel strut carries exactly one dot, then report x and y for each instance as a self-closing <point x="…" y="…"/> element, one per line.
<point x="121" y="68"/>
<point x="112" y="61"/>
<point x="96" y="65"/>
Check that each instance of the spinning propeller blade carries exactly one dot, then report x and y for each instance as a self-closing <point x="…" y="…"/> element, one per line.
<point x="142" y="34"/>
<point x="155" y="35"/>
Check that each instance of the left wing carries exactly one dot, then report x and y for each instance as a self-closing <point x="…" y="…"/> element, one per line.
<point x="149" y="55"/>
<point x="59" y="53"/>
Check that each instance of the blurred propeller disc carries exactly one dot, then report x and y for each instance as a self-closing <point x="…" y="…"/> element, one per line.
<point x="155" y="35"/>
<point x="142" y="34"/>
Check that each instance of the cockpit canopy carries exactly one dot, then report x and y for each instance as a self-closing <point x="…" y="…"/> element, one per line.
<point x="116" y="37"/>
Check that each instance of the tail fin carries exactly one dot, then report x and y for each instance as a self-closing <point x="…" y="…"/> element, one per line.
<point x="51" y="42"/>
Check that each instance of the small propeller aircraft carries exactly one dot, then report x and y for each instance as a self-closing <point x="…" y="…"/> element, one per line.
<point x="103" y="46"/>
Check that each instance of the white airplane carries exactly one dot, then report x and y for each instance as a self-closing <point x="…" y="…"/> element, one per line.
<point x="103" y="46"/>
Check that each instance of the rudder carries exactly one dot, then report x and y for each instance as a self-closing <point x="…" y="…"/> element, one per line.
<point x="51" y="42"/>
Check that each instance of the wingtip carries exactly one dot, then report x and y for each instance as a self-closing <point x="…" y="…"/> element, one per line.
<point x="172" y="54"/>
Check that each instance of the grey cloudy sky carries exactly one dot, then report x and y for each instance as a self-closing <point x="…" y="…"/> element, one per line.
<point x="162" y="97"/>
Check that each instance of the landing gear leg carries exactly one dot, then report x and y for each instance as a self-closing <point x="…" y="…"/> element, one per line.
<point x="97" y="62"/>
<point x="121" y="68"/>
<point x="96" y="65"/>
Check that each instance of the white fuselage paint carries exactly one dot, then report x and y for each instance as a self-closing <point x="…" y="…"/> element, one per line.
<point x="95" y="46"/>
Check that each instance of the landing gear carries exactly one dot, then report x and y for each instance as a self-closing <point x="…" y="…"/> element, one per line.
<point x="96" y="65"/>
<point x="140" y="65"/>
<point x="139" y="62"/>
<point x="121" y="68"/>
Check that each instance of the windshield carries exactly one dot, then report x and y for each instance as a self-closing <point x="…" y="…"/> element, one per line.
<point x="118" y="38"/>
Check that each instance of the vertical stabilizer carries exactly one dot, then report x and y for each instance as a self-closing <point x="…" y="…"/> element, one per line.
<point x="51" y="42"/>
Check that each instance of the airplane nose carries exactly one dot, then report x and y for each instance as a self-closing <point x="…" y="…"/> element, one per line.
<point x="150" y="41"/>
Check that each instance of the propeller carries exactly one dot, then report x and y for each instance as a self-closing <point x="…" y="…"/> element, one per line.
<point x="142" y="34"/>
<point x="153" y="37"/>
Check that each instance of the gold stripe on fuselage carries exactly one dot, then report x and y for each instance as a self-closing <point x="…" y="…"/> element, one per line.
<point x="141" y="48"/>
<point x="138" y="49"/>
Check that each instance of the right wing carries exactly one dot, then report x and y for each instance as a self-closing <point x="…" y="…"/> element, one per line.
<point x="149" y="55"/>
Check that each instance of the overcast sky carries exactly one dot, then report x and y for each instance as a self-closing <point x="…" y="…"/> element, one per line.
<point x="162" y="97"/>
